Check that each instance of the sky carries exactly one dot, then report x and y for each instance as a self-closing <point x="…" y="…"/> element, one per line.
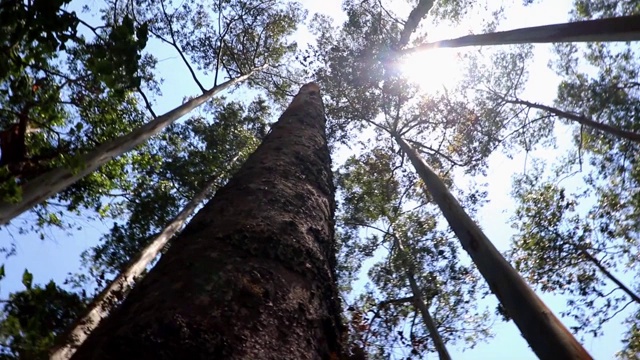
<point x="59" y="254"/>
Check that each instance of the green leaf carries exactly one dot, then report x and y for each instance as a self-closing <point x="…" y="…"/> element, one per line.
<point x="27" y="279"/>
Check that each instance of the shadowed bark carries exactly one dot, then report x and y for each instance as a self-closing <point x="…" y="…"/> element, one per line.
<point x="113" y="293"/>
<point x="416" y="15"/>
<point x="253" y="274"/>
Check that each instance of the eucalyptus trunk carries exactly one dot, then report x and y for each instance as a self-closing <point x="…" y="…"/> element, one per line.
<point x="419" y="303"/>
<point x="624" y="28"/>
<point x="53" y="181"/>
<point x="116" y="291"/>
<point x="544" y="332"/>
<point x="581" y="119"/>
<point x="252" y="276"/>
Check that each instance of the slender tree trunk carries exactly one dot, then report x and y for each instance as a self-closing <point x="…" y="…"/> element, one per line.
<point x="546" y="335"/>
<point x="417" y="14"/>
<point x="122" y="284"/>
<point x="580" y="119"/>
<point x="624" y="28"/>
<point x="420" y="304"/>
<point x="610" y="276"/>
<point x="252" y="276"/>
<point x="52" y="182"/>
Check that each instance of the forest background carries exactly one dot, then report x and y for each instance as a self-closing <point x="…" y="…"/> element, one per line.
<point x="67" y="248"/>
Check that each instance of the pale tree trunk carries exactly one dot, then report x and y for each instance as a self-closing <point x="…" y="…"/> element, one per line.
<point x="252" y="276"/>
<point x="53" y="181"/>
<point x="624" y="28"/>
<point x="419" y="303"/>
<point x="580" y="119"/>
<point x="116" y="291"/>
<point x="544" y="332"/>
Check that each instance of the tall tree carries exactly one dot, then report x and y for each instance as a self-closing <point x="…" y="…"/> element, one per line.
<point x="593" y="230"/>
<point x="624" y="28"/>
<point x="53" y="181"/>
<point x="183" y="157"/>
<point x="250" y="34"/>
<point x="383" y="218"/>
<point x="253" y="272"/>
<point x="120" y="286"/>
<point x="545" y="333"/>
<point x="64" y="91"/>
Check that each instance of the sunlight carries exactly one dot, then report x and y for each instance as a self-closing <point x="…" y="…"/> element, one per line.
<point x="433" y="69"/>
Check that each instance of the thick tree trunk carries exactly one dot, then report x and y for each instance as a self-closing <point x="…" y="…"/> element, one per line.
<point x="252" y="275"/>
<point x="546" y="335"/>
<point x="624" y="28"/>
<point x="122" y="284"/>
<point x="52" y="182"/>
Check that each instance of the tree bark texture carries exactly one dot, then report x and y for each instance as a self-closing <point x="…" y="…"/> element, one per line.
<point x="113" y="293"/>
<point x="544" y="332"/>
<point x="252" y="276"/>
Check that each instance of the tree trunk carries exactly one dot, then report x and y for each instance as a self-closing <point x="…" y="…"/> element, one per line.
<point x="122" y="284"/>
<point x="253" y="274"/>
<point x="624" y="28"/>
<point x="609" y="275"/>
<point x="50" y="183"/>
<point x="580" y="119"/>
<point x="420" y="304"/>
<point x="417" y="14"/>
<point x="546" y="335"/>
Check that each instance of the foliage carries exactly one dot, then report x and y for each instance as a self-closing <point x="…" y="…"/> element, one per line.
<point x="383" y="210"/>
<point x="366" y="92"/>
<point x="561" y="251"/>
<point x="226" y="38"/>
<point x="64" y="94"/>
<point x="185" y="157"/>
<point x="32" y="319"/>
<point x="563" y="237"/>
<point x="631" y="340"/>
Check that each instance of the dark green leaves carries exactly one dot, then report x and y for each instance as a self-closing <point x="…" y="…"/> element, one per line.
<point x="32" y="319"/>
<point x="27" y="278"/>
<point x="115" y="60"/>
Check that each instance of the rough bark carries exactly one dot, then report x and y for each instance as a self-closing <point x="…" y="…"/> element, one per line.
<point x="104" y="302"/>
<point x="544" y="332"/>
<point x="624" y="28"/>
<point x="50" y="183"/>
<point x="252" y="276"/>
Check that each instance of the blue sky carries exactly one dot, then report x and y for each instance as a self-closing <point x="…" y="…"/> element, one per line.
<point x="59" y="254"/>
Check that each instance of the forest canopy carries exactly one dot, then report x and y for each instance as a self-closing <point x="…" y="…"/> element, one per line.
<point x="454" y="182"/>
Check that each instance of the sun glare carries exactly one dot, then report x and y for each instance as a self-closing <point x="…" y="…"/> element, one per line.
<point x="433" y="70"/>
